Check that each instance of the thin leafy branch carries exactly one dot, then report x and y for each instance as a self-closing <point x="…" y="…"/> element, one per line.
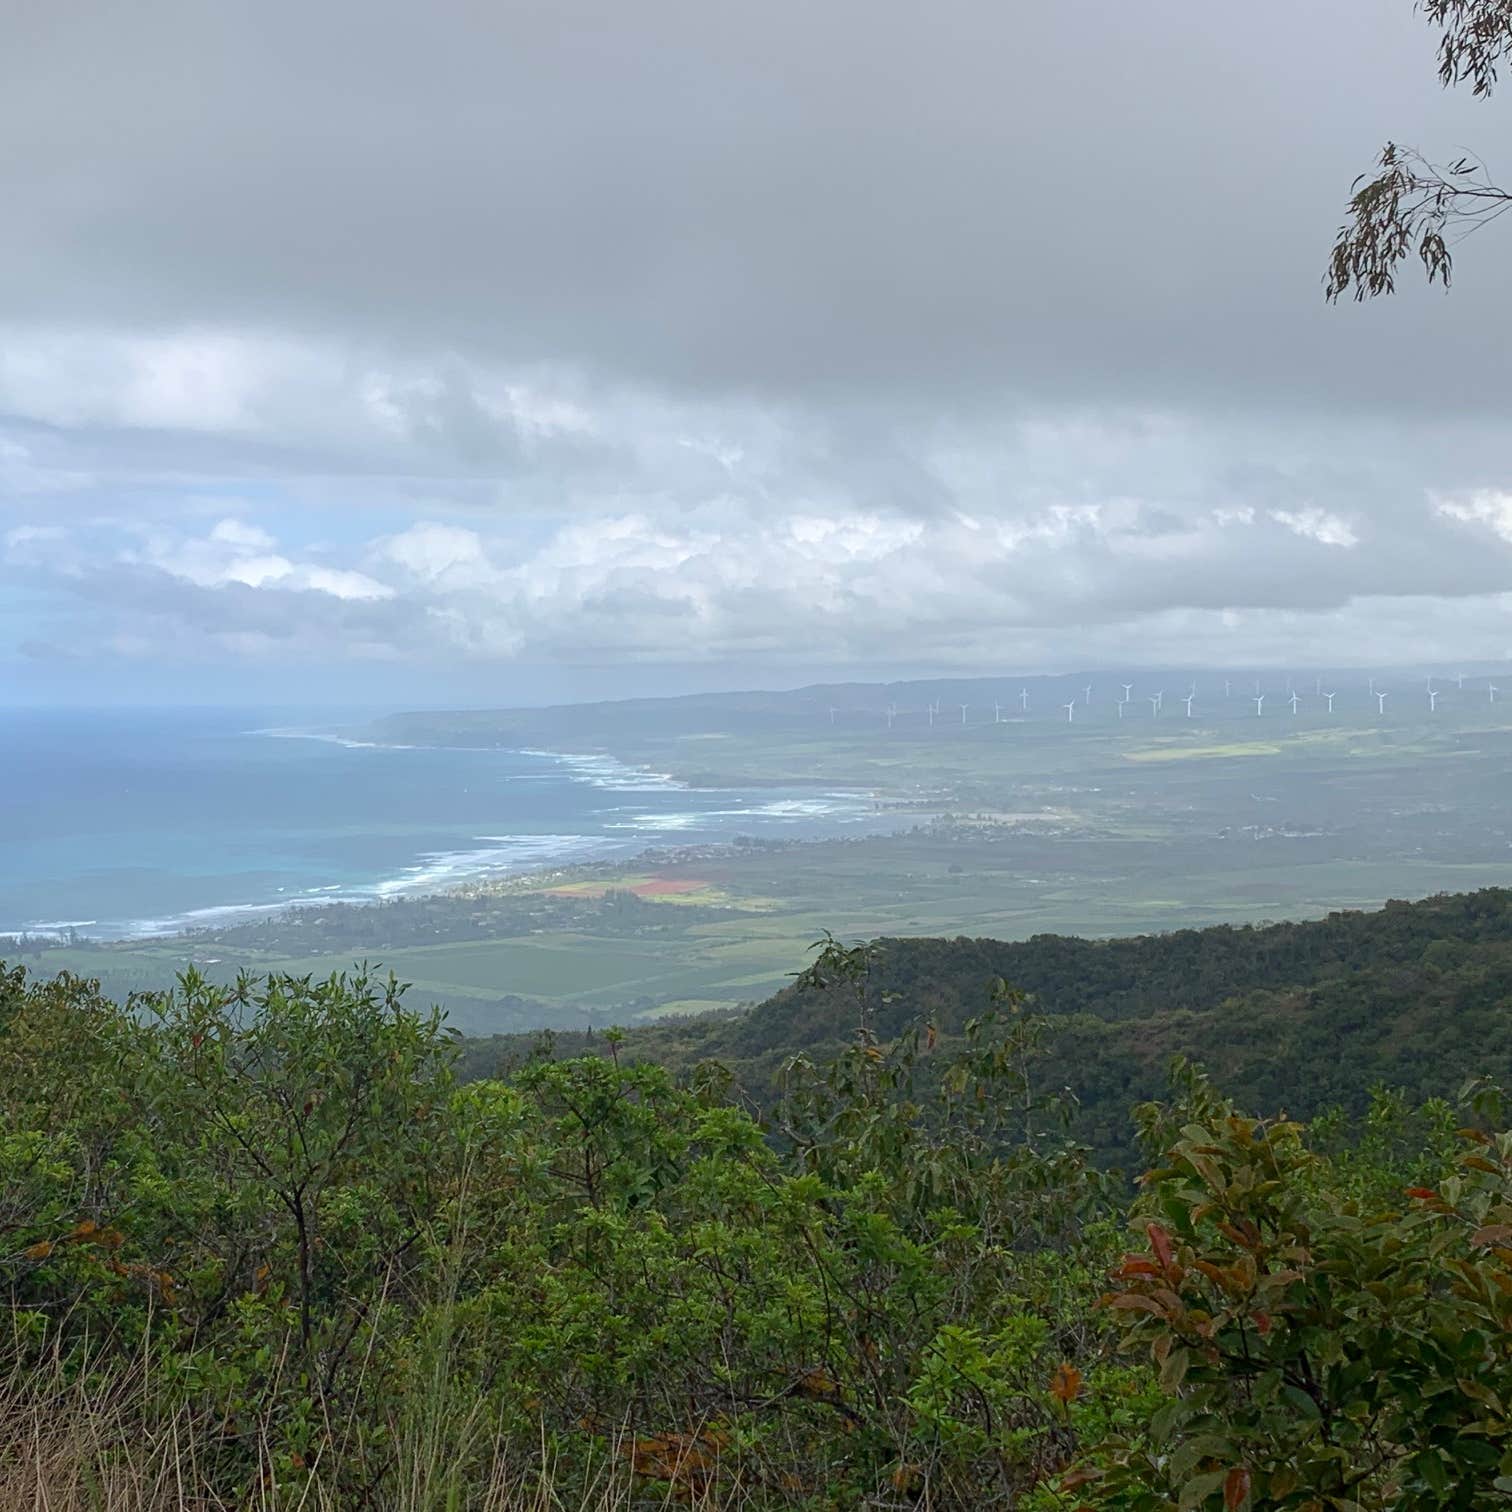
<point x="1411" y="207"/>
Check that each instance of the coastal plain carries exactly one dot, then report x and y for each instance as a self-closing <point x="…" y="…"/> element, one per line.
<point x="1005" y="826"/>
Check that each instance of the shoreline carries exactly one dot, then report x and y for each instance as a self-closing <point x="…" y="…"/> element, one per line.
<point x="542" y="879"/>
<point x="596" y="855"/>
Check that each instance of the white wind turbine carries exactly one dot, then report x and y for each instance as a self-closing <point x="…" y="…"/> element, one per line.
<point x="1128" y="689"/>
<point x="1432" y="701"/>
<point x="1294" y="701"/>
<point x="1155" y="707"/>
<point x="1070" y="709"/>
<point x="833" y="712"/>
<point x="1188" y="701"/>
<point x="1121" y="706"/>
<point x="1024" y="699"/>
<point x="1492" y="690"/>
<point x="1259" y="705"/>
<point x="1330" y="697"/>
<point x="964" y="707"/>
<point x="997" y="712"/>
<point x="931" y="716"/>
<point x="1228" y="687"/>
<point x="1459" y="681"/>
<point x="1087" y="694"/>
<point x="1380" y="703"/>
<point x="1372" y="687"/>
<point x="1160" y="700"/>
<point x="892" y="714"/>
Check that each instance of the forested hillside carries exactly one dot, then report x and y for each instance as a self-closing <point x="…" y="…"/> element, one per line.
<point x="1294" y="1016"/>
<point x="259" y="1249"/>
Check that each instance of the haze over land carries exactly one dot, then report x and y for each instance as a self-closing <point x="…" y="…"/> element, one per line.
<point x="691" y="850"/>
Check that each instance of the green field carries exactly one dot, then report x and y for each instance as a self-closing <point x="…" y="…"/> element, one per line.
<point x="747" y="956"/>
<point x="585" y="977"/>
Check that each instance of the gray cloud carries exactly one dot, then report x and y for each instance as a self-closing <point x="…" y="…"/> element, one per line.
<point x="846" y="333"/>
<point x="726" y="582"/>
<point x="1081" y="200"/>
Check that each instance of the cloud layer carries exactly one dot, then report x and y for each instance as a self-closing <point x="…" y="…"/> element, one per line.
<point x="771" y="336"/>
<point x="726" y="582"/>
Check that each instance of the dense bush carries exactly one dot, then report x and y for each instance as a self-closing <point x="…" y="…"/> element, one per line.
<point x="1306" y="1016"/>
<point x="274" y="1219"/>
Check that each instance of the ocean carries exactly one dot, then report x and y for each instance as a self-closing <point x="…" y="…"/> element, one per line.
<point x="124" y="825"/>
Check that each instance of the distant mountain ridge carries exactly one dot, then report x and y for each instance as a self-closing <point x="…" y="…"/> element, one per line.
<point x="681" y="713"/>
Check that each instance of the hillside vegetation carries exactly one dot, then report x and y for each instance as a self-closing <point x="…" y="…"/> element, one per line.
<point x="1296" y="1016"/>
<point x="265" y="1247"/>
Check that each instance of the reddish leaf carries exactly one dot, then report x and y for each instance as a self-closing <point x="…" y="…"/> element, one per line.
<point x="1244" y="1234"/>
<point x="1133" y="1302"/>
<point x="1423" y="1194"/>
<point x="1236" y="1487"/>
<point x="1065" y="1384"/>
<point x="1160" y="1242"/>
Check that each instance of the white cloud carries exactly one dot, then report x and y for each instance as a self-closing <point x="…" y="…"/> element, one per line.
<point x="344" y="584"/>
<point x="246" y="387"/>
<point x="715" y="532"/>
<point x="1317" y="525"/>
<point x="236" y="533"/>
<point x="234" y="553"/>
<point x="429" y="550"/>
<point x="729" y="579"/>
<point x="1483" y="507"/>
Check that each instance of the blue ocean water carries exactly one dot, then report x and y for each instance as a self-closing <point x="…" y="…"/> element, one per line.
<point x="124" y="824"/>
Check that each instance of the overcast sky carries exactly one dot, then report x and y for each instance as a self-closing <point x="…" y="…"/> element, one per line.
<point x="444" y="352"/>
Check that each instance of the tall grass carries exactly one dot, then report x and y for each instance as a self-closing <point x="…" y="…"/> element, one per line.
<point x="119" y="1440"/>
<point x="66" y="1446"/>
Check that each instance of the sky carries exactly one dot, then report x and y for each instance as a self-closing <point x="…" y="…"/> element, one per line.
<point x="510" y="352"/>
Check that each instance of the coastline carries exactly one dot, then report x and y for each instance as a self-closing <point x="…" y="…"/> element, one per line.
<point x="542" y="879"/>
<point x="501" y="863"/>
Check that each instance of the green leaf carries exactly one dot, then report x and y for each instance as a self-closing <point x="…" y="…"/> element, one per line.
<point x="1199" y="1488"/>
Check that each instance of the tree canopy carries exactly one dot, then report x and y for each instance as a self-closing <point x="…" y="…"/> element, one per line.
<point x="1410" y="205"/>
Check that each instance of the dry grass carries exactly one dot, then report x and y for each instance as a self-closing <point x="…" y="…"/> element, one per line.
<point x="64" y="1449"/>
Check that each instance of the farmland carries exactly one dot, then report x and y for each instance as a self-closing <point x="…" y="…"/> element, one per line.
<point x="1004" y="827"/>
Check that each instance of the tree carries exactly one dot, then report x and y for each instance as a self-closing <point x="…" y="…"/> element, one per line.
<point x="1413" y="206"/>
<point x="1325" y="1340"/>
